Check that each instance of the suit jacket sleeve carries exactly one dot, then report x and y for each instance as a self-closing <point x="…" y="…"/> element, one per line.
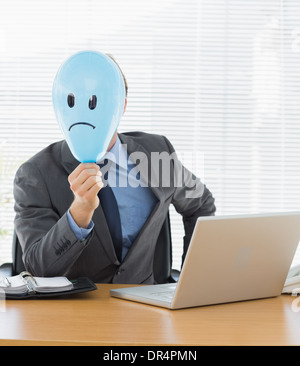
<point x="49" y="245"/>
<point x="191" y="198"/>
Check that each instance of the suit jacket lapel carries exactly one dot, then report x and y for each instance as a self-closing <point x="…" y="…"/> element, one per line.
<point x="102" y="231"/>
<point x="67" y="159"/>
<point x="133" y="147"/>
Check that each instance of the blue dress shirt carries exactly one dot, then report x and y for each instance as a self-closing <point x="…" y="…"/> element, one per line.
<point x="135" y="201"/>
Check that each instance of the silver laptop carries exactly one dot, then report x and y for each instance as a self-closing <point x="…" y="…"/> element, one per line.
<point x="230" y="258"/>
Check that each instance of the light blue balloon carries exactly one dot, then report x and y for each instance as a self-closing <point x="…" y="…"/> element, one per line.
<point x="88" y="97"/>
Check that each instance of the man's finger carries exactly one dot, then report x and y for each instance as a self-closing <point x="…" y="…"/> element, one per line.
<point x="80" y="168"/>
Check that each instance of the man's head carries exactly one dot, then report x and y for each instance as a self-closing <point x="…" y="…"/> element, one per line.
<point x="89" y="98"/>
<point x="124" y="78"/>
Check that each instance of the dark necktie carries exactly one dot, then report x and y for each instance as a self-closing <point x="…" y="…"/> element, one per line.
<point x="111" y="211"/>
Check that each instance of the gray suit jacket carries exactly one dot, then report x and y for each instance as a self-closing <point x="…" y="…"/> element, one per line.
<point x="50" y="248"/>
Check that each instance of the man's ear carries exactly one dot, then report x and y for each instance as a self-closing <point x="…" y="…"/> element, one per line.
<point x="125" y="105"/>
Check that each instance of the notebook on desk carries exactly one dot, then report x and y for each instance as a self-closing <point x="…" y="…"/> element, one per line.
<point x="230" y="258"/>
<point x="25" y="286"/>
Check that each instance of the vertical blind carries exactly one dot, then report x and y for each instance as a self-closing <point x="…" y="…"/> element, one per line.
<point x="219" y="78"/>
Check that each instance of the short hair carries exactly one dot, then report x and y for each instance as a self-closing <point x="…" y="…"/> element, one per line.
<point x="124" y="78"/>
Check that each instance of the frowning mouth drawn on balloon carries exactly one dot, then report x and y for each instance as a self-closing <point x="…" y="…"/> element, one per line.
<point x="81" y="123"/>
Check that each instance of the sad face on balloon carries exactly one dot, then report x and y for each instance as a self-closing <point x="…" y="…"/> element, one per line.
<point x="89" y="99"/>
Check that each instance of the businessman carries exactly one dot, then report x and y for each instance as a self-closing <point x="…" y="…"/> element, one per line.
<point x="67" y="226"/>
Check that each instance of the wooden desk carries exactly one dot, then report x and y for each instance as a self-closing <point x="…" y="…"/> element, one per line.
<point x="95" y="318"/>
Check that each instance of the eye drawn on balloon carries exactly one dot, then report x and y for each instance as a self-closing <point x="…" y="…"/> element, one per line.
<point x="92" y="102"/>
<point x="71" y="100"/>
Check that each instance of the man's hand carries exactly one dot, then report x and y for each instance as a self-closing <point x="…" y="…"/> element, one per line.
<point x="85" y="182"/>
